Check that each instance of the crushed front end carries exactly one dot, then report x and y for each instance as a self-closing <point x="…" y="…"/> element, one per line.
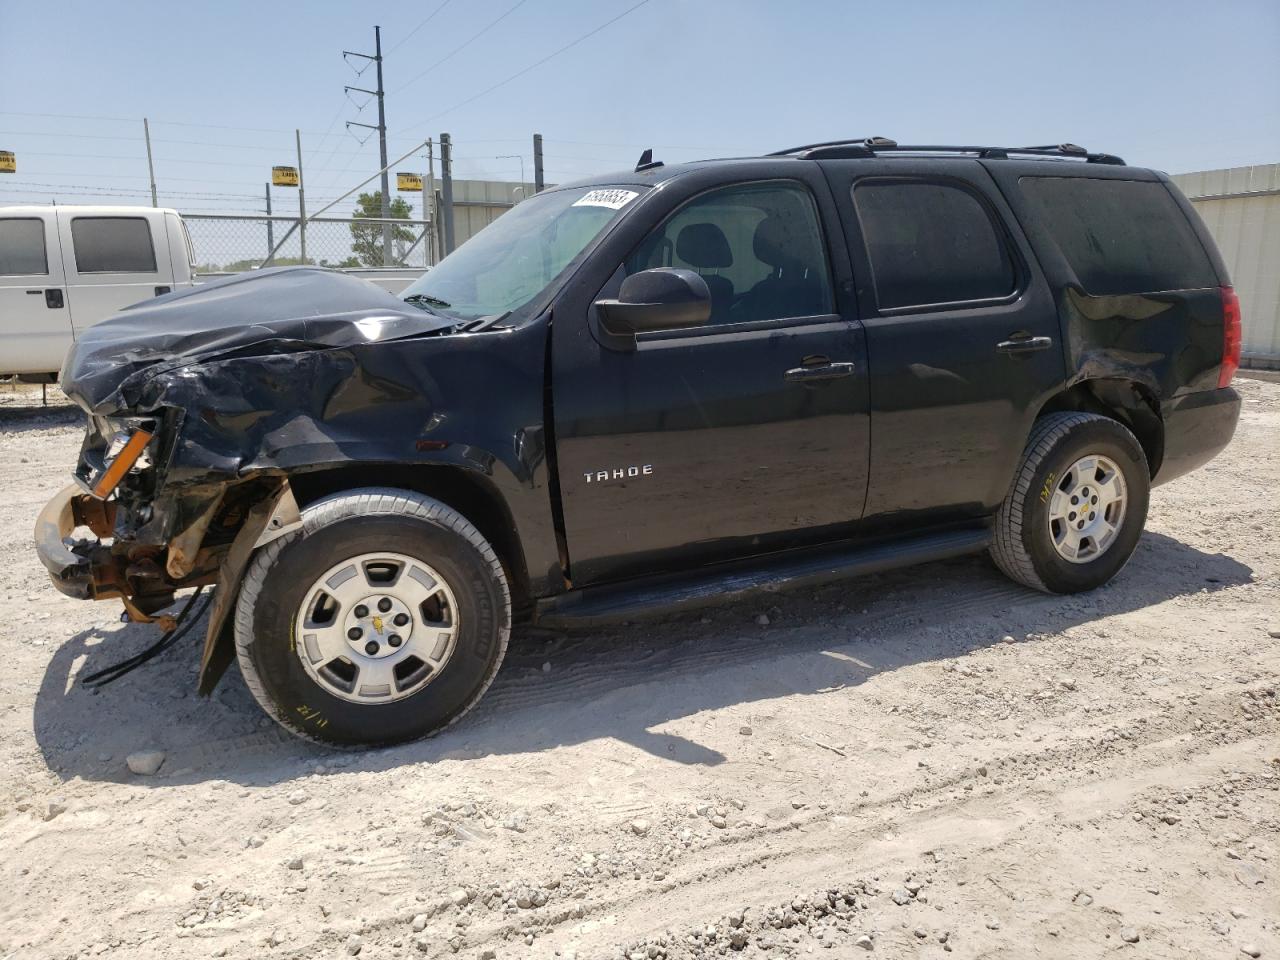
<point x="120" y="531"/>
<point x="197" y="403"/>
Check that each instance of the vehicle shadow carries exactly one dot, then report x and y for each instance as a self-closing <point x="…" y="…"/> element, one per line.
<point x="623" y="683"/>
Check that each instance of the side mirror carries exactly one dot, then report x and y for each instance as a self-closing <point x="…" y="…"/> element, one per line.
<point x="664" y="298"/>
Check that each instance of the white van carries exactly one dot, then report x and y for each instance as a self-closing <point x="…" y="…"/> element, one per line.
<point x="63" y="269"/>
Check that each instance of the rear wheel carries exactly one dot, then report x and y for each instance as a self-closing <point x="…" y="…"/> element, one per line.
<point x="383" y="619"/>
<point x="1077" y="507"/>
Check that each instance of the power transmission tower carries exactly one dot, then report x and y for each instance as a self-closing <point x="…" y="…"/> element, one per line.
<point x="382" y="137"/>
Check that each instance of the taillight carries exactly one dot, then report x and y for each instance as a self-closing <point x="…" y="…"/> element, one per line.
<point x="1231" y="337"/>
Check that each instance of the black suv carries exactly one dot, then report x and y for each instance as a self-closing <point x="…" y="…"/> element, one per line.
<point x="645" y="392"/>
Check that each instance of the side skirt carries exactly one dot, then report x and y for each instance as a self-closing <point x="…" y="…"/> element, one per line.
<point x="727" y="582"/>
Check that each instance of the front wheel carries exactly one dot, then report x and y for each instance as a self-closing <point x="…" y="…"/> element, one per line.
<point x="383" y="619"/>
<point x="1077" y="506"/>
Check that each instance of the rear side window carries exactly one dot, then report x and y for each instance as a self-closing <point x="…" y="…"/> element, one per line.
<point x="1120" y="236"/>
<point x="931" y="243"/>
<point x="113" y="245"/>
<point x="22" y="247"/>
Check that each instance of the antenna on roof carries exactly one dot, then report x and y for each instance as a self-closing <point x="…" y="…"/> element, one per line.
<point x="646" y="161"/>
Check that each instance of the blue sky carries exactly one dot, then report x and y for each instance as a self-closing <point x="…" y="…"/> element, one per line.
<point x="1178" y="86"/>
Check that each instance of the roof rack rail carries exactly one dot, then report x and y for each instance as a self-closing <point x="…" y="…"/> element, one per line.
<point x="858" y="147"/>
<point x="873" y="146"/>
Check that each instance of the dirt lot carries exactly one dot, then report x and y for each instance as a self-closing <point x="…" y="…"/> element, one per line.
<point x="928" y="763"/>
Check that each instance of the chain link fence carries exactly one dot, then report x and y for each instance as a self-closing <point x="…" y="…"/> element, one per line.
<point x="228" y="244"/>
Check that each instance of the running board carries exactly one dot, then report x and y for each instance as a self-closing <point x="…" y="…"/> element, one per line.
<point x="727" y="582"/>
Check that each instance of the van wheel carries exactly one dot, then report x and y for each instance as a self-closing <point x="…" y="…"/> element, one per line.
<point x="1077" y="506"/>
<point x="384" y="618"/>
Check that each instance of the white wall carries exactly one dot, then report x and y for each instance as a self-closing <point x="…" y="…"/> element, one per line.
<point x="1241" y="208"/>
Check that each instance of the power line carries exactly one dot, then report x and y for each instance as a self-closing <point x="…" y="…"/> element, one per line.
<point x="520" y="73"/>
<point x="67" y="116"/>
<point x="80" y="136"/>
<point x="462" y="46"/>
<point x="107" y="156"/>
<point x="428" y="19"/>
<point x="329" y="129"/>
<point x="316" y="150"/>
<point x="192" y="143"/>
<point x="169" y="123"/>
<point x="85" y="188"/>
<point x="128" y="176"/>
<point x="232" y="201"/>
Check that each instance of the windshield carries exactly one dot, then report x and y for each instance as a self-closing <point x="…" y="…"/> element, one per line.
<point x="515" y="258"/>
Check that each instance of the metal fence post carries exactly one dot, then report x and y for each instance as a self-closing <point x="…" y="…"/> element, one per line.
<point x="429" y="204"/>
<point x="271" y="228"/>
<point x="302" y="203"/>
<point x="537" y="163"/>
<point x="446" y="184"/>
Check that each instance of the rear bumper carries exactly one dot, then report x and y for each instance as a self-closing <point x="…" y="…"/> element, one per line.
<point x="1197" y="427"/>
<point x="69" y="566"/>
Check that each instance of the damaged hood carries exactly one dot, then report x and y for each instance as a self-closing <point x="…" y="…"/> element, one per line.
<point x="284" y="310"/>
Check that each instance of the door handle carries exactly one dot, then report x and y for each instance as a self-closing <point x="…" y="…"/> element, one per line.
<point x="53" y="298"/>
<point x="1018" y="345"/>
<point x="818" y="372"/>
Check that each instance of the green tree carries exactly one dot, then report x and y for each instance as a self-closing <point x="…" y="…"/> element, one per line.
<point x="366" y="239"/>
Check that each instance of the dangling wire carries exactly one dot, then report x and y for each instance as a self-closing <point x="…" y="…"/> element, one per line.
<point x="182" y="624"/>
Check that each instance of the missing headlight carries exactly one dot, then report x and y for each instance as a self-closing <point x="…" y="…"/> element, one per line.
<point x="124" y="452"/>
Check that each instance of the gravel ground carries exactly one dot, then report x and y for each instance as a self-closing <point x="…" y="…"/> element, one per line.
<point x="926" y="763"/>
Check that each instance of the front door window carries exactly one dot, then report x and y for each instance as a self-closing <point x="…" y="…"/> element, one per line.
<point x="758" y="246"/>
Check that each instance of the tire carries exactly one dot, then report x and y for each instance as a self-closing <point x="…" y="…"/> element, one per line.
<point x="457" y="637"/>
<point x="1029" y="523"/>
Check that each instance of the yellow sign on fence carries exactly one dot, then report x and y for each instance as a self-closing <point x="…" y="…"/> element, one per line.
<point x="9" y="164"/>
<point x="284" y="176"/>
<point x="409" y="182"/>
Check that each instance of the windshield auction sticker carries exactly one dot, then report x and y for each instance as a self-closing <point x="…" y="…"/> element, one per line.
<point x="613" y="199"/>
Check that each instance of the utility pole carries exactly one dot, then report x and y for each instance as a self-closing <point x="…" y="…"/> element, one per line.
<point x="537" y="163"/>
<point x="271" y="227"/>
<point x="429" y="205"/>
<point x="382" y="137"/>
<point x="302" y="203"/>
<point x="446" y="189"/>
<point x="151" y="169"/>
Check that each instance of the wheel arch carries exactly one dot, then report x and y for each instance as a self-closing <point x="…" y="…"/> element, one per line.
<point x="1127" y="401"/>
<point x="471" y="494"/>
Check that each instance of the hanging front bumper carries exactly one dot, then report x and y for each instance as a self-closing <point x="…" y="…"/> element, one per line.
<point x="82" y="568"/>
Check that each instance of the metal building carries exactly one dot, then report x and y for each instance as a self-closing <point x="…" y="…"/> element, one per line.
<point x="476" y="204"/>
<point x="1241" y="208"/>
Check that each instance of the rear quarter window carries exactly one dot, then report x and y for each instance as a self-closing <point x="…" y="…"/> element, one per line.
<point x="113" y="245"/>
<point x="1120" y="236"/>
